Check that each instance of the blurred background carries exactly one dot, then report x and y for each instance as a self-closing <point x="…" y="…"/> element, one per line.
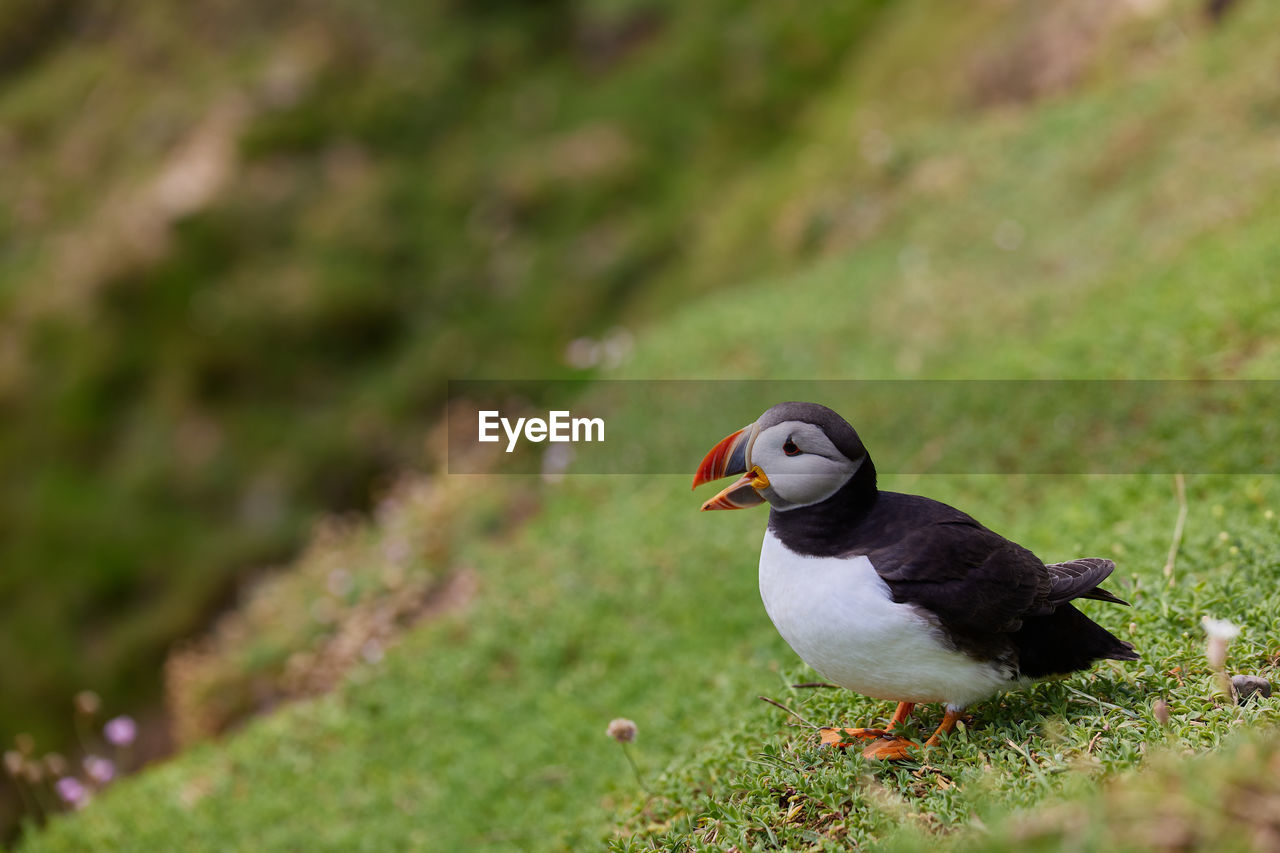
<point x="244" y="245"/>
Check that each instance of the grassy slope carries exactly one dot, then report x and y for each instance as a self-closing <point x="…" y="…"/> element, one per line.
<point x="485" y="728"/>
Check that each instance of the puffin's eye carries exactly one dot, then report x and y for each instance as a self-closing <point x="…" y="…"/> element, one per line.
<point x="790" y="448"/>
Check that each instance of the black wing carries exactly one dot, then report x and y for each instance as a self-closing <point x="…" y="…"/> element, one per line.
<point x="975" y="581"/>
<point x="993" y="596"/>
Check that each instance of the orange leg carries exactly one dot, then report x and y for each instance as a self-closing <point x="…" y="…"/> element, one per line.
<point x="898" y="748"/>
<point x="949" y="720"/>
<point x="839" y="737"/>
<point x="901" y="713"/>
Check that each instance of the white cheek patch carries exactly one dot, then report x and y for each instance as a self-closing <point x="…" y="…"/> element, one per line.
<point x="806" y="478"/>
<point x="802" y="469"/>
<point x="822" y="482"/>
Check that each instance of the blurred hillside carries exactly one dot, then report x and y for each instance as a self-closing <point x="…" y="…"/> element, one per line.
<point x="242" y="245"/>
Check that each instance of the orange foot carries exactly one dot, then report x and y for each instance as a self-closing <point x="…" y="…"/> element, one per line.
<point x="890" y="749"/>
<point x="886" y="746"/>
<point x="844" y="738"/>
<point x="840" y="738"/>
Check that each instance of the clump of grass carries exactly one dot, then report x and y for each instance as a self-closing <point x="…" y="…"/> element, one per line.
<point x="1226" y="799"/>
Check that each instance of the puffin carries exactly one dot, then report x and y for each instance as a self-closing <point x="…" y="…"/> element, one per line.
<point x="896" y="596"/>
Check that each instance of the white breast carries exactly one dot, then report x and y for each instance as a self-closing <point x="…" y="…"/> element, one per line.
<point x="839" y="617"/>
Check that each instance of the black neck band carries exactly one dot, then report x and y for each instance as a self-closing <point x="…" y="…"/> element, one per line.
<point x="827" y="528"/>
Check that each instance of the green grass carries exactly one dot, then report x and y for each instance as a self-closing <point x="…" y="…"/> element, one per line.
<point x="1024" y="747"/>
<point x="484" y="728"/>
<point x="1220" y="800"/>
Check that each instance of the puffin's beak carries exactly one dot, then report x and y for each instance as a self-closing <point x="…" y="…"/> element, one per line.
<point x="729" y="457"/>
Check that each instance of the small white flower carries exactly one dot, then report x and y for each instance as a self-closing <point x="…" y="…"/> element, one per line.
<point x="1220" y="632"/>
<point x="1220" y="628"/>
<point x="88" y="703"/>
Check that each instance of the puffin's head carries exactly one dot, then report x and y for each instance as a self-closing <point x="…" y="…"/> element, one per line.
<point x="795" y="455"/>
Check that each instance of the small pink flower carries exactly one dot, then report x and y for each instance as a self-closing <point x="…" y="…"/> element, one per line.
<point x="72" y="791"/>
<point x="100" y="770"/>
<point x="120" y="731"/>
<point x="622" y="730"/>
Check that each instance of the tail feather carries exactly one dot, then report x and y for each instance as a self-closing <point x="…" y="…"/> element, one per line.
<point x="1100" y="594"/>
<point x="1065" y="641"/>
<point x="1079" y="579"/>
<point x="1058" y="638"/>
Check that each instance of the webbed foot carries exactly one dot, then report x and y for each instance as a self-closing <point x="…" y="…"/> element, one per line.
<point x="890" y="749"/>
<point x="844" y="738"/>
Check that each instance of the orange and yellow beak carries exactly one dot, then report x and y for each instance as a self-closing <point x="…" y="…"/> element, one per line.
<point x="727" y="458"/>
